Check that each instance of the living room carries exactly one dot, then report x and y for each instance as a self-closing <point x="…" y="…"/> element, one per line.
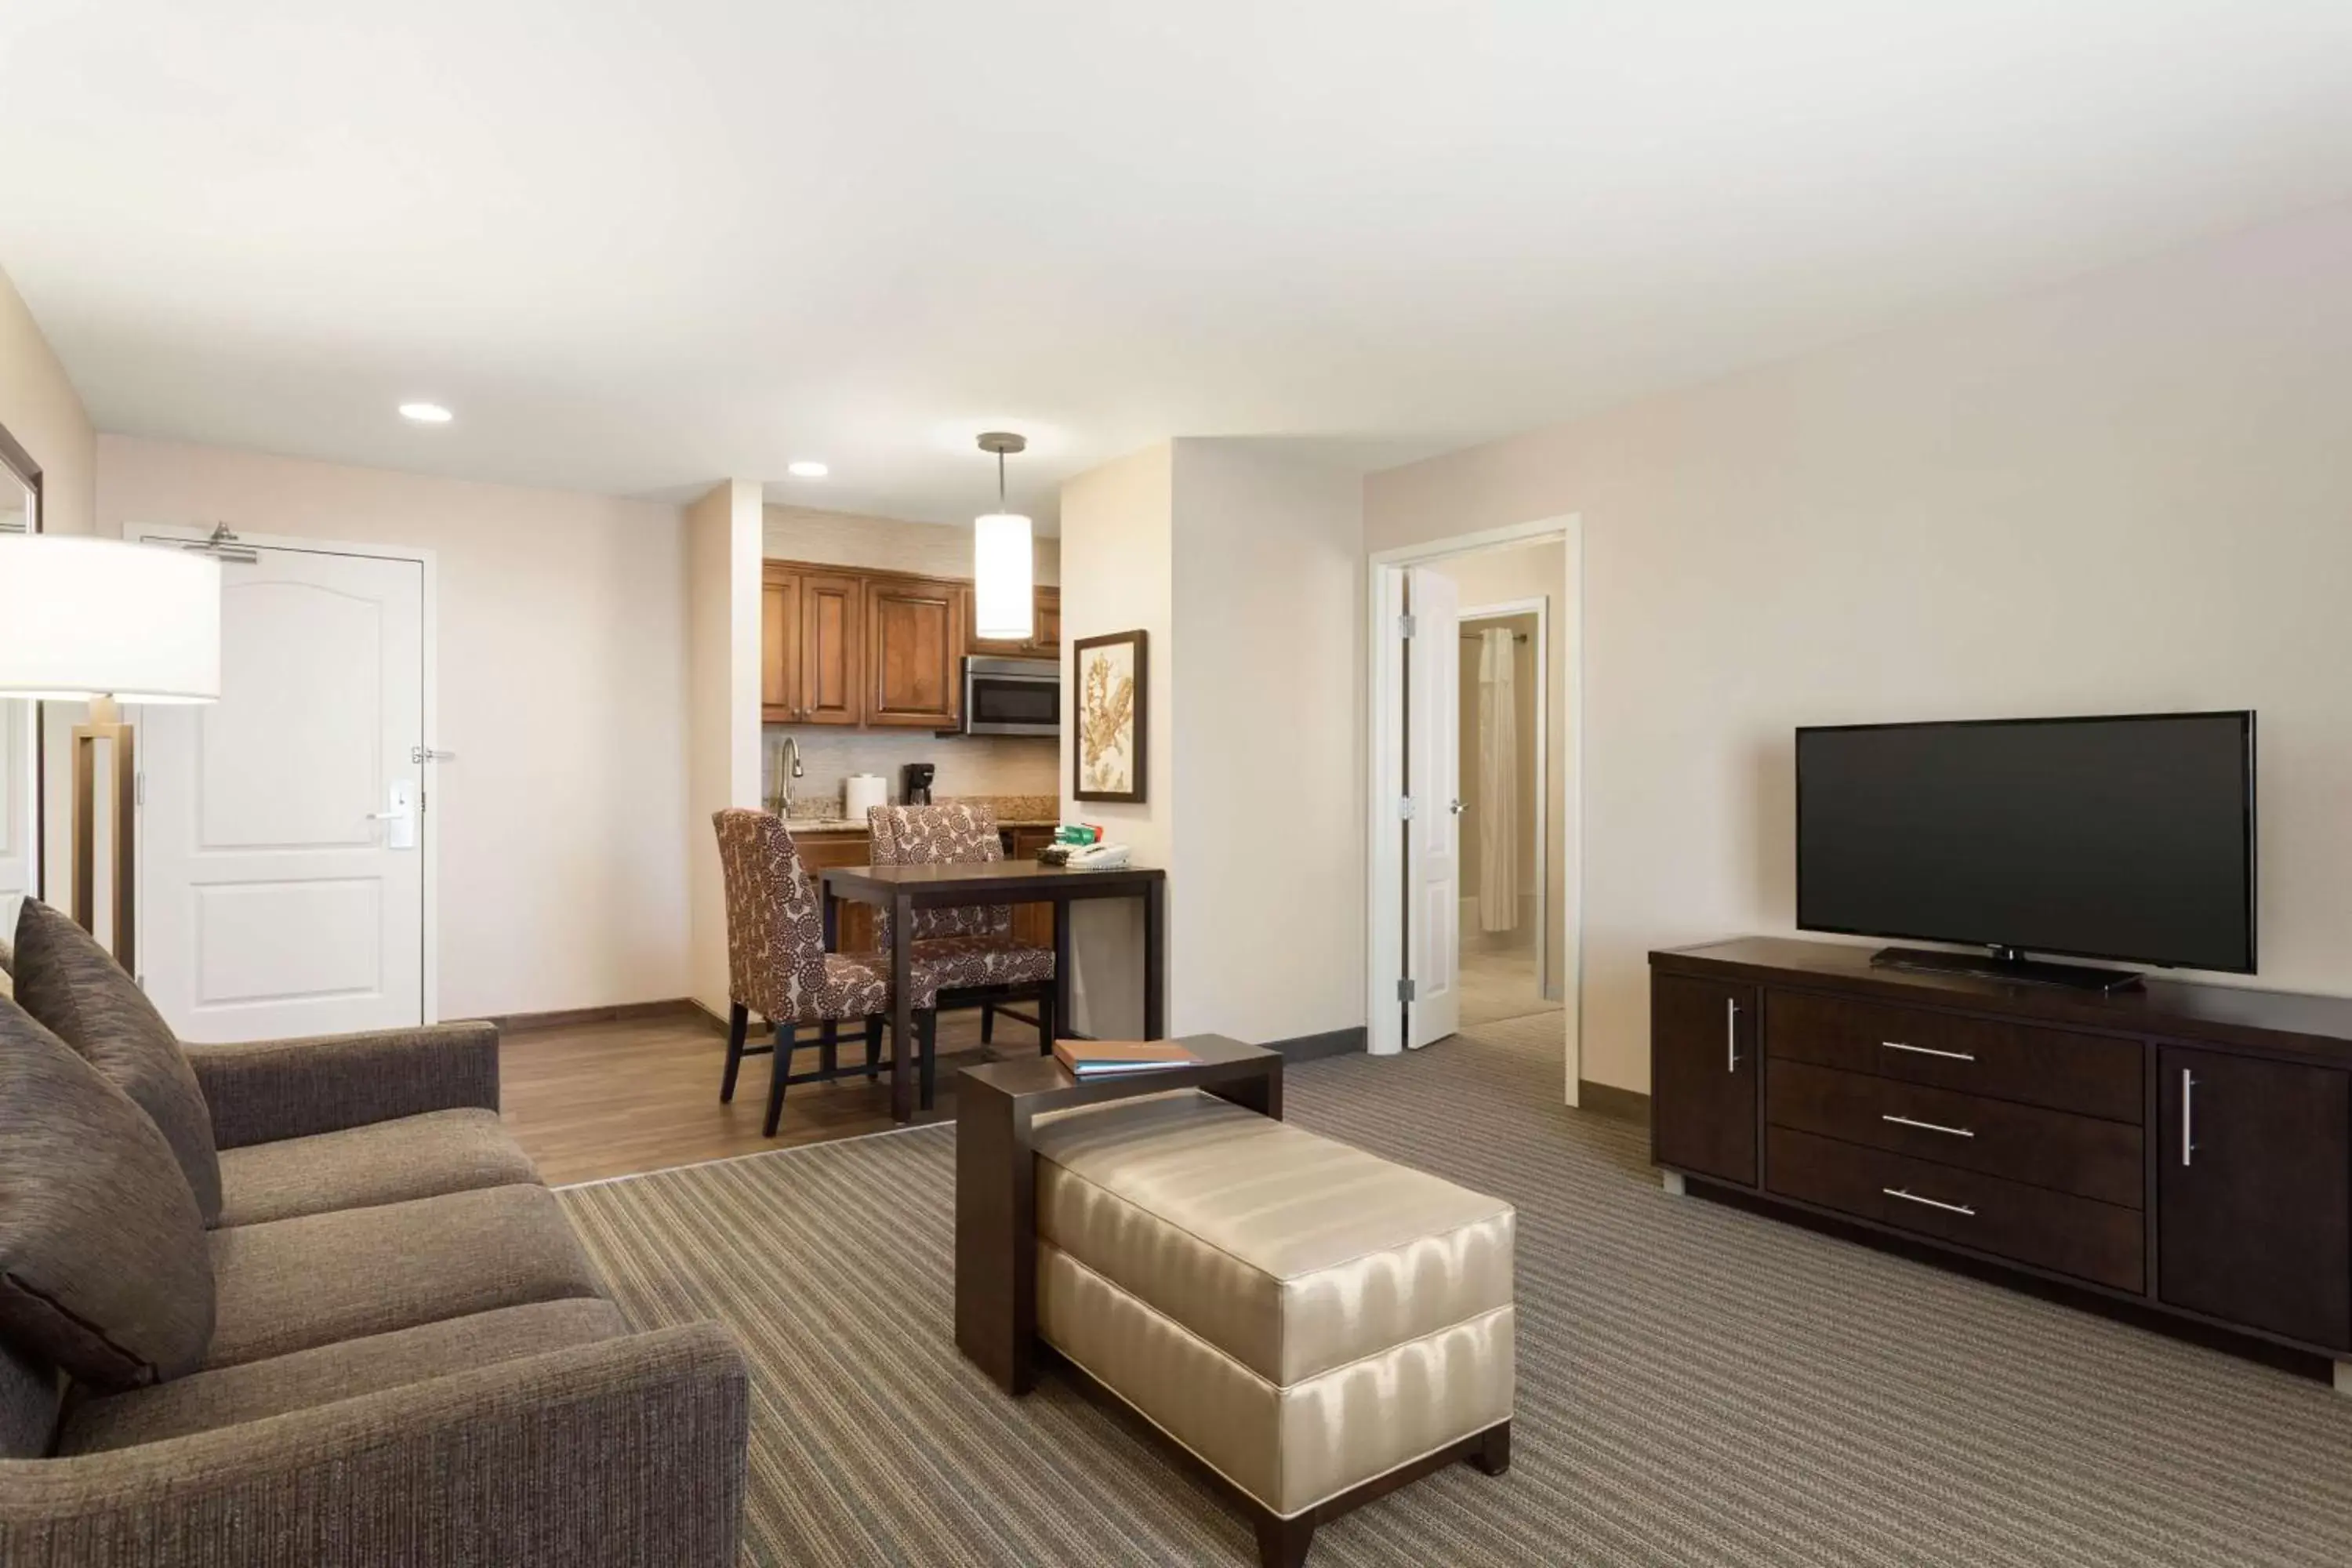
<point x="1873" y="376"/>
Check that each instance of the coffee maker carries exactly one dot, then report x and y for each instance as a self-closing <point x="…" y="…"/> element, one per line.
<point x="915" y="783"/>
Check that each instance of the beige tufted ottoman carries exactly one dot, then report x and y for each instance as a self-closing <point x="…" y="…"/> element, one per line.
<point x="1315" y="1324"/>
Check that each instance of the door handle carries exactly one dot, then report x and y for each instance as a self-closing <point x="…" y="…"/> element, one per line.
<point x="1458" y="808"/>
<point x="2187" y="1115"/>
<point x="1731" y="1034"/>
<point x="399" y="818"/>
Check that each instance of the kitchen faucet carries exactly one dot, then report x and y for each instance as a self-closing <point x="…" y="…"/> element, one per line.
<point x="789" y="751"/>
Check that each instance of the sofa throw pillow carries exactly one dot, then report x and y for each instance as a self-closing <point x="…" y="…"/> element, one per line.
<point x="105" y="1270"/>
<point x="82" y="996"/>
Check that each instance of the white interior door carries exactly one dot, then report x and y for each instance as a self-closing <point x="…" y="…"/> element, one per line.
<point x="1433" y="832"/>
<point x="281" y="868"/>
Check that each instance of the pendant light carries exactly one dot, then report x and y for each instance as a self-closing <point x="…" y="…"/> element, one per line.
<point x="1004" y="600"/>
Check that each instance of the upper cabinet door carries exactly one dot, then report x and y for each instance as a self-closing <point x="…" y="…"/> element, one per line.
<point x="832" y="651"/>
<point x="1048" y="638"/>
<point x="780" y="638"/>
<point x="1703" y="1076"/>
<point x="1044" y="639"/>
<point x="914" y="634"/>
<point x="2253" y="1200"/>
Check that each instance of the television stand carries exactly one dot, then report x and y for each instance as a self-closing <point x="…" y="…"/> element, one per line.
<point x="2007" y="964"/>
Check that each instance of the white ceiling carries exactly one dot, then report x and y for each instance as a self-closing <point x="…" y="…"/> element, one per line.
<point x="639" y="246"/>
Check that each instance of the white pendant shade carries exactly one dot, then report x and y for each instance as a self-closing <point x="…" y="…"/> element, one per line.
<point x="1004" y="601"/>
<point x="99" y="617"/>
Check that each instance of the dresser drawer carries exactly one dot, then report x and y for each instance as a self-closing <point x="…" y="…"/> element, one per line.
<point x="2095" y="1074"/>
<point x="2080" y="1154"/>
<point x="2057" y="1231"/>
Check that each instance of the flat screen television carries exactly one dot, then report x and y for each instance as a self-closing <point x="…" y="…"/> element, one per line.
<point x="2128" y="838"/>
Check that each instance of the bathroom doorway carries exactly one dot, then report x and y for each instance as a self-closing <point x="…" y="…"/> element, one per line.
<point x="1504" y="724"/>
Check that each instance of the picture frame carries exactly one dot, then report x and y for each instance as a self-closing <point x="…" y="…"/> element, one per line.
<point x="1110" y="693"/>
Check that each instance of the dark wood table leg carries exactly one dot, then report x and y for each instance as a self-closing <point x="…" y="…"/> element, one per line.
<point x="1061" y="967"/>
<point x="1155" y="961"/>
<point x="1261" y="1092"/>
<point x="996" y="1236"/>
<point x="902" y="1008"/>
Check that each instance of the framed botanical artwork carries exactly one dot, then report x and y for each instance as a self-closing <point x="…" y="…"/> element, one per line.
<point x="1106" y="758"/>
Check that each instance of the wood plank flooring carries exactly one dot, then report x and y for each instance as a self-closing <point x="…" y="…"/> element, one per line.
<point x="597" y="1100"/>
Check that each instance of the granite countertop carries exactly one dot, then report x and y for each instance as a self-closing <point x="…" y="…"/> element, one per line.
<point x="823" y="816"/>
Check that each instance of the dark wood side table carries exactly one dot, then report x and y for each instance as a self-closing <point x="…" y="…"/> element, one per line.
<point x="997" y="1196"/>
<point x="902" y="889"/>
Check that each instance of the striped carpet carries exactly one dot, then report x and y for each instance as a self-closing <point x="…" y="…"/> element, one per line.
<point x="1696" y="1386"/>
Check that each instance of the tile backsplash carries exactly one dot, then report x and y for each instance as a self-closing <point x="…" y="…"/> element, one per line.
<point x="967" y="764"/>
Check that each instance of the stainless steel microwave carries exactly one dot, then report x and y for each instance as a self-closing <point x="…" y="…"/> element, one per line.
<point x="1011" y="697"/>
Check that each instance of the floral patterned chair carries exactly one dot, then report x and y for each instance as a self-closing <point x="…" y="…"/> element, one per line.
<point x="777" y="965"/>
<point x="962" y="956"/>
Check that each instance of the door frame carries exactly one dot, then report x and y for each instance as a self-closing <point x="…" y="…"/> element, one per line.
<point x="1540" y="608"/>
<point x="429" y="847"/>
<point x="1384" y="762"/>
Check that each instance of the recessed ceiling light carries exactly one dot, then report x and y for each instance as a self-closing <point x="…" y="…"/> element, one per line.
<point x="807" y="468"/>
<point x="426" y="413"/>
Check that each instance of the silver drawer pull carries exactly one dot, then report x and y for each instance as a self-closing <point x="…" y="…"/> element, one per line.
<point x="1931" y="1202"/>
<point x="1926" y="1051"/>
<point x="1927" y="1126"/>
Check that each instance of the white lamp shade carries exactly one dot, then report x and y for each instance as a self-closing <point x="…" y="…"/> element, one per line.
<point x="99" y="617"/>
<point x="1004" y="600"/>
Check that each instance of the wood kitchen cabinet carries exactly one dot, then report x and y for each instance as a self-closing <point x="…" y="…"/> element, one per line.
<point x="808" y="646"/>
<point x="822" y="851"/>
<point x="914" y="645"/>
<point x="1044" y="639"/>
<point x="1032" y="924"/>
<point x="780" y="636"/>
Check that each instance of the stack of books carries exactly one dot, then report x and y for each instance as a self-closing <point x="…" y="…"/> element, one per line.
<point x="1120" y="1059"/>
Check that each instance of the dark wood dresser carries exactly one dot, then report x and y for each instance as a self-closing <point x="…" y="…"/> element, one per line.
<point x="2185" y="1148"/>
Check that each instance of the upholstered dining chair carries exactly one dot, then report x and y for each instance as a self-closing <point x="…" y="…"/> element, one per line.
<point x="967" y="955"/>
<point x="777" y="965"/>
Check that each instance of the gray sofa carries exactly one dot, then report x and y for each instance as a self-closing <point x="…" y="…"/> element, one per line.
<point x="405" y="1357"/>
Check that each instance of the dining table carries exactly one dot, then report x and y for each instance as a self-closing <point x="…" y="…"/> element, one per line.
<point x="900" y="891"/>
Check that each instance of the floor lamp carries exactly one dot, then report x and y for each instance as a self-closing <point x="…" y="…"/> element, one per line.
<point x="105" y="622"/>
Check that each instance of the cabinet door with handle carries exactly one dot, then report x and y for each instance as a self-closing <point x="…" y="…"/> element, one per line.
<point x="831" y="651"/>
<point x="2254" y="1194"/>
<point x="779" y="646"/>
<point x="1704" y="1076"/>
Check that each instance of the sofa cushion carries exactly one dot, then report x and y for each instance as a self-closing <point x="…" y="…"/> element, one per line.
<point x="233" y="1394"/>
<point x="75" y="987"/>
<point x="291" y="1284"/>
<point x="1290" y="1253"/>
<point x="30" y="1393"/>
<point x="382" y="1163"/>
<point x="103" y="1268"/>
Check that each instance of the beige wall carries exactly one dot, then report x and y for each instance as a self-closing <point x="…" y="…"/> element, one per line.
<point x="2131" y="492"/>
<point x="1269" y="875"/>
<point x="39" y="407"/>
<point x="1118" y="575"/>
<point x="1244" y="565"/>
<point x="722" y="707"/>
<point x="1535" y="571"/>
<point x="561" y="643"/>
<point x="885" y="543"/>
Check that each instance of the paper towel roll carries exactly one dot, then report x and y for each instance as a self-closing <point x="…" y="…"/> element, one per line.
<point x="860" y="791"/>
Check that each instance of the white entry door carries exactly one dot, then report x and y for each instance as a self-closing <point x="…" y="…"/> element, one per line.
<point x="1433" y="832"/>
<point x="281" y="887"/>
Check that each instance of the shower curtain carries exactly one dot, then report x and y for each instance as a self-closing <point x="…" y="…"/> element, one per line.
<point x="1499" y="783"/>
